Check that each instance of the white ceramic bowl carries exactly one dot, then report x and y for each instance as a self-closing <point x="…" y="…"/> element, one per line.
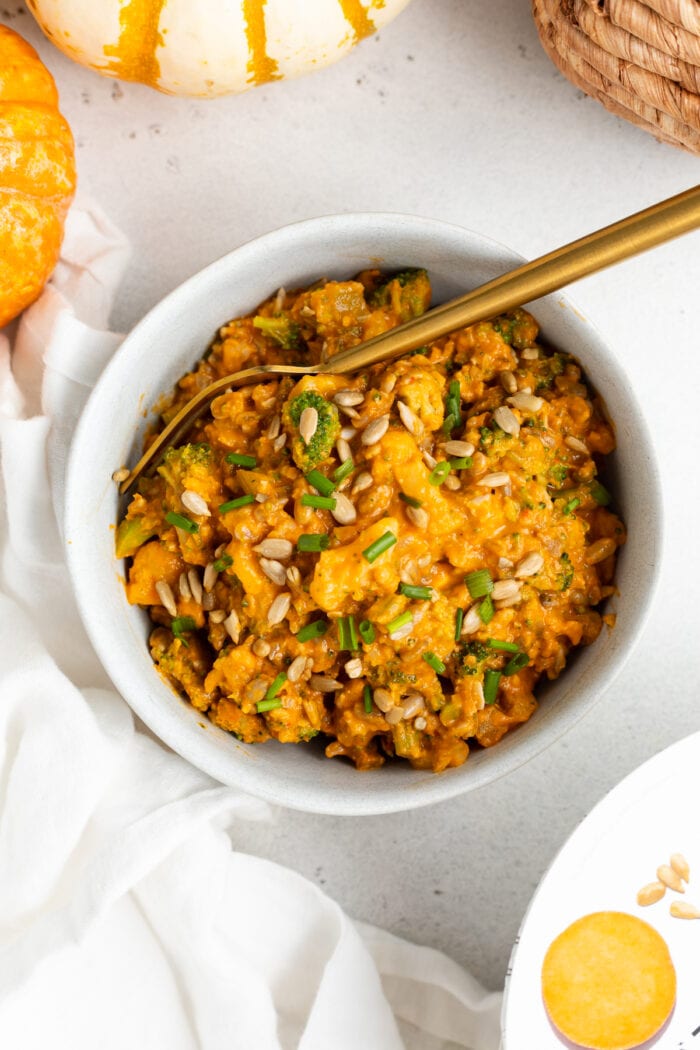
<point x="169" y="341"/>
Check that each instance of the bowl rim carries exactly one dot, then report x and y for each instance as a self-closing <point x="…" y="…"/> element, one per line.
<point x="390" y="798"/>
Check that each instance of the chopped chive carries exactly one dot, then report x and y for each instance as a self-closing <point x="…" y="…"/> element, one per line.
<point x="459" y="620"/>
<point x="343" y="471"/>
<point x="453" y="402"/>
<point x="461" y="462"/>
<point x="449" y="423"/>
<point x="276" y="686"/>
<point x="320" y="482"/>
<point x="491" y="680"/>
<point x="319" y="502"/>
<point x="268" y="705"/>
<point x="223" y="563"/>
<point x="312" y="630"/>
<point x="506" y="647"/>
<point x="181" y="522"/>
<point x="600" y="494"/>
<point x="435" y="662"/>
<point x="479" y="583"/>
<point x="240" y="460"/>
<point x="399" y="621"/>
<point x="486" y="610"/>
<point x="423" y="594"/>
<point x="367" y="633"/>
<point x="180" y="624"/>
<point x="516" y="664"/>
<point x="439" y="472"/>
<point x="410" y="500"/>
<point x="367" y="699"/>
<point x="313" y="542"/>
<point x="371" y="553"/>
<point x="571" y="505"/>
<point x="347" y="635"/>
<point x="234" y="504"/>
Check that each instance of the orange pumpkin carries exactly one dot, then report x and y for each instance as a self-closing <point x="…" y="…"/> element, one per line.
<point x="37" y="174"/>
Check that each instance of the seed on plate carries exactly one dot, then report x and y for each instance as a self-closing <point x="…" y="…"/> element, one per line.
<point x="344" y="511"/>
<point x="670" y="878"/>
<point x="275" y="548"/>
<point x="508" y="382"/>
<point x="684" y="910"/>
<point x="210" y="575"/>
<point x="388" y="383"/>
<point x="505" y="589"/>
<point x="650" y="894"/>
<point x="394" y="716"/>
<point x="599" y="551"/>
<point x="452" y="483"/>
<point x="526" y="401"/>
<point x="296" y="668"/>
<point x="420" y="723"/>
<point x="261" y="648"/>
<point x="495" y="481"/>
<point x="576" y="444"/>
<point x="375" y="431"/>
<point x="233" y="626"/>
<point x="217" y="615"/>
<point x="293" y="576"/>
<point x="308" y="422"/>
<point x="429" y="460"/>
<point x="349" y="411"/>
<point x="353" y="668"/>
<point x="458" y="448"/>
<point x="325" y="685"/>
<point x="418" y="516"/>
<point x="195" y="585"/>
<point x="274" y="570"/>
<point x="343" y="450"/>
<point x="195" y="503"/>
<point x="472" y="621"/>
<point x="412" y="704"/>
<point x="120" y="475"/>
<point x="382" y="699"/>
<point x="504" y="564"/>
<point x="506" y="420"/>
<point x="274" y="427"/>
<point x="530" y="353"/>
<point x="530" y="565"/>
<point x="349" y="398"/>
<point x="279" y="442"/>
<point x="348" y="433"/>
<point x="167" y="598"/>
<point x="407" y="417"/>
<point x="680" y="866"/>
<point x="363" y="482"/>
<point x="255" y="690"/>
<point x="279" y="608"/>
<point x="184" y="587"/>
<point x="506" y="603"/>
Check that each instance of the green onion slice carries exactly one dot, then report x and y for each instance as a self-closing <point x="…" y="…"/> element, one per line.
<point x="491" y="680"/>
<point x="223" y="563"/>
<point x="367" y="699"/>
<point x="319" y="502"/>
<point x="347" y="634"/>
<point x="234" y="504"/>
<point x="367" y="632"/>
<point x="180" y="624"/>
<point x="506" y="647"/>
<point x="399" y="621"/>
<point x="439" y="472"/>
<point x="461" y="462"/>
<point x="459" y="620"/>
<point x="181" y="522"/>
<point x="313" y="542"/>
<point x="371" y="553"/>
<point x="516" y="664"/>
<point x="342" y="472"/>
<point x="320" y="482"/>
<point x="571" y="505"/>
<point x="600" y="494"/>
<point x="276" y="685"/>
<point x="423" y="594"/>
<point x="486" y="610"/>
<point x="312" y="630"/>
<point x="410" y="500"/>
<point x="268" y="705"/>
<point x="479" y="583"/>
<point x="240" y="460"/>
<point x="435" y="662"/>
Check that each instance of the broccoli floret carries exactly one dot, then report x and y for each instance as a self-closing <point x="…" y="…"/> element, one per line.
<point x="471" y="656"/>
<point x="327" y="429"/>
<point x="282" y="329"/>
<point x="186" y="460"/>
<point x="407" y="292"/>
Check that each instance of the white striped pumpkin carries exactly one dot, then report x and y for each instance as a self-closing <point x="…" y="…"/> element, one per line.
<point x="209" y="47"/>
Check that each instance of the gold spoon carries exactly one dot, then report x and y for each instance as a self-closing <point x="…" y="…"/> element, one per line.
<point x="612" y="244"/>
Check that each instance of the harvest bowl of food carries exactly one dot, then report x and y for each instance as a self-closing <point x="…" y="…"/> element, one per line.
<point x="367" y="592"/>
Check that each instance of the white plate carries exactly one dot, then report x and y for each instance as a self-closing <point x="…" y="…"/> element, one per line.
<point x="616" y="850"/>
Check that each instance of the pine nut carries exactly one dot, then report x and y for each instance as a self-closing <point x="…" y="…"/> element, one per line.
<point x="680" y="866"/>
<point x="279" y="608"/>
<point x="195" y="503"/>
<point x="684" y="910"/>
<point x="650" y="894"/>
<point x="495" y="481"/>
<point x="382" y="699"/>
<point x="308" y="422"/>
<point x="506" y="420"/>
<point x="375" y="431"/>
<point x="670" y="878"/>
<point x="458" y="448"/>
<point x="278" y="549"/>
<point x="345" y="398"/>
<point x="166" y="596"/>
<point x="323" y="684"/>
<point x="233" y="626"/>
<point x="344" y="511"/>
<point x="530" y="565"/>
<point x="296" y="669"/>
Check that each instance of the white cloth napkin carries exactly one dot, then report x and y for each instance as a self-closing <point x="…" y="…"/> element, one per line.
<point x="127" y="918"/>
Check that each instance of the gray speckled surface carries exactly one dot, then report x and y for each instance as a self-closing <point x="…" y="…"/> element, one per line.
<point x="453" y="113"/>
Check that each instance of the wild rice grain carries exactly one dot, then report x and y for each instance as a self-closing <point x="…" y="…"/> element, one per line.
<point x="308" y="422"/>
<point x="274" y="570"/>
<point x="193" y="502"/>
<point x="166" y="596"/>
<point x="275" y="548"/>
<point x="505" y="419"/>
<point x="375" y="431"/>
<point x="217" y="615"/>
<point x="279" y="608"/>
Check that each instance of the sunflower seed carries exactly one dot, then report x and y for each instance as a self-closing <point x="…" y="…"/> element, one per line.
<point x="349" y="398"/>
<point x="508" y="382"/>
<point x="530" y="565"/>
<point x="120" y="475"/>
<point x="279" y="608"/>
<point x="308" y="422"/>
<point x="296" y="668"/>
<point x="210" y="575"/>
<point x="472" y="621"/>
<point x="429" y="460"/>
<point x="375" y="431"/>
<point x="363" y="482"/>
<point x="348" y="433"/>
<point x="494" y="481"/>
<point x="420" y="723"/>
<point x="505" y="589"/>
<point x="325" y="685"/>
<point x="382" y="699"/>
<point x="407" y="417"/>
<point x="166" y="596"/>
<point x="506" y="603"/>
<point x="530" y="353"/>
<point x="217" y="616"/>
<point x="261" y="648"/>
<point x="274" y="570"/>
<point x="279" y="301"/>
<point x="452" y="483"/>
<point x="193" y="502"/>
<point x="274" y="427"/>
<point x="255" y="690"/>
<point x="344" y="511"/>
<point x="353" y="668"/>
<point x="275" y="548"/>
<point x="576" y="444"/>
<point x="233" y="626"/>
<point x="418" y="516"/>
<point x="526" y="401"/>
<point x="650" y="894"/>
<point x="504" y="418"/>
<point x="412" y="704"/>
<point x="195" y="585"/>
<point x="184" y="587"/>
<point x="394" y="716"/>
<point x="279" y="442"/>
<point x="350" y="412"/>
<point x="293" y="576"/>
<point x="343" y="450"/>
<point x="458" y="448"/>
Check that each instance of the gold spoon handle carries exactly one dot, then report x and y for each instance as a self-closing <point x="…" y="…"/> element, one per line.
<point x="637" y="233"/>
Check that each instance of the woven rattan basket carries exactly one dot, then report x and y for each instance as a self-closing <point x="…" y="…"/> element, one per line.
<point x="641" y="60"/>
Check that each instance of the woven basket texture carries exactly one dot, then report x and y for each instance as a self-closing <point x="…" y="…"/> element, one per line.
<point x="641" y="60"/>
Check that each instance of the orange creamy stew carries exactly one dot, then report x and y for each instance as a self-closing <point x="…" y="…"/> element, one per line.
<point x="390" y="560"/>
